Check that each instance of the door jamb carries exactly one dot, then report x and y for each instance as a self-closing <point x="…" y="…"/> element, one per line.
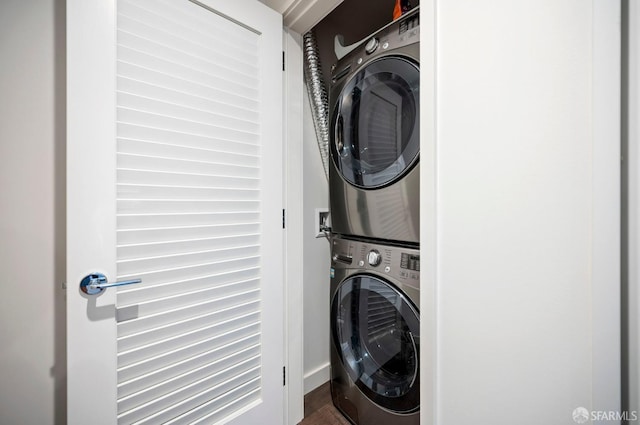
<point x="293" y="87"/>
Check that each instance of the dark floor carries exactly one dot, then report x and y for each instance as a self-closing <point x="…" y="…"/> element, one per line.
<point x="319" y="410"/>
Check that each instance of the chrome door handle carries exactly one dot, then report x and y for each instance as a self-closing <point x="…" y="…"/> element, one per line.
<point x="95" y="283"/>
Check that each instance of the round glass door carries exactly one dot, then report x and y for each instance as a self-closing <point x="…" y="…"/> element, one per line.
<point x="376" y="332"/>
<point x="375" y="125"/>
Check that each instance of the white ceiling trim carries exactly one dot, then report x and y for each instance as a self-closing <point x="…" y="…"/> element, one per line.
<point x="302" y="15"/>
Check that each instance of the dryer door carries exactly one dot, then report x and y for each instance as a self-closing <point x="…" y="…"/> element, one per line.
<point x="376" y="331"/>
<point x="375" y="125"/>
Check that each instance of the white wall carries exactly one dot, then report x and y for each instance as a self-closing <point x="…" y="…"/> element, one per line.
<point x="32" y="212"/>
<point x="526" y="205"/>
<point x="315" y="261"/>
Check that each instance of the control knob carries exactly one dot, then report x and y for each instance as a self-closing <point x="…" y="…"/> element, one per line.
<point x="371" y="45"/>
<point x="374" y="258"/>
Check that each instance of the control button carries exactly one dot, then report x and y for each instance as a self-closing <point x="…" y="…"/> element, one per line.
<point x="371" y="46"/>
<point x="385" y="45"/>
<point x="414" y="276"/>
<point x="387" y="269"/>
<point x="374" y="258"/>
<point x="359" y="61"/>
<point x="404" y="260"/>
<point x="361" y="263"/>
<point x="404" y="274"/>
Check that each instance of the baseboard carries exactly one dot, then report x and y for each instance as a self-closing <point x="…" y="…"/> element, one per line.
<point x="316" y="377"/>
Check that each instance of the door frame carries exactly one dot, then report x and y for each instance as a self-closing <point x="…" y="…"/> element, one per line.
<point x="293" y="86"/>
<point x="90" y="120"/>
<point x="630" y="206"/>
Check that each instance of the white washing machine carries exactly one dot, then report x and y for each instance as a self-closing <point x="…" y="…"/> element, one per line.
<point x="374" y="173"/>
<point x="375" y="332"/>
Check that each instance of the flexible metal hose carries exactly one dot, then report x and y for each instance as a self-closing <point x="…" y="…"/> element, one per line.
<point x="317" y="96"/>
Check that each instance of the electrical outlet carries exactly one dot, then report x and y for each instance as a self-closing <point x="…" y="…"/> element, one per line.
<point x="322" y="222"/>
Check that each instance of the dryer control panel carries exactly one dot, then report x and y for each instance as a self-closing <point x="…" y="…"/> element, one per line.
<point x="397" y="262"/>
<point x="397" y="34"/>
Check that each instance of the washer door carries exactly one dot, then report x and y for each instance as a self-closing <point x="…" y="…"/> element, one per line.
<point x="376" y="332"/>
<point x="375" y="125"/>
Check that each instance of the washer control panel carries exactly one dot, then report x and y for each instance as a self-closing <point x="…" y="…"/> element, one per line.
<point x="401" y="263"/>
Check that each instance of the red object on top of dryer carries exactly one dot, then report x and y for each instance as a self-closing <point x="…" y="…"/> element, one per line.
<point x="401" y="7"/>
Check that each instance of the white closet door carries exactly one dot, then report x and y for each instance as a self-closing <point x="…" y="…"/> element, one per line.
<point x="174" y="178"/>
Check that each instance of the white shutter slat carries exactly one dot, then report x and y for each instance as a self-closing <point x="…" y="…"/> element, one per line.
<point x="133" y="20"/>
<point x="135" y="298"/>
<point x="150" y="266"/>
<point x="144" y="265"/>
<point x="133" y="191"/>
<point x="201" y="392"/>
<point x="213" y="410"/>
<point x="130" y="206"/>
<point x="181" y="150"/>
<point x="168" y="248"/>
<point x="138" y="221"/>
<point x="166" y="122"/>
<point x="241" y="349"/>
<point x="202" y="24"/>
<point x="189" y="232"/>
<point x="230" y="325"/>
<point x="172" y="386"/>
<point x="172" y="80"/>
<point x="172" y="66"/>
<point x="169" y="308"/>
<point x="185" y="354"/>
<point x="212" y="115"/>
<point x="193" y="271"/>
<point x="159" y="43"/>
<point x="177" y="21"/>
<point x="190" y="319"/>
<point x="179" y="93"/>
<point x="184" y="179"/>
<point x="188" y="213"/>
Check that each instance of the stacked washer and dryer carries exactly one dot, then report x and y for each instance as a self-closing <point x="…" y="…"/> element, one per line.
<point x="374" y="199"/>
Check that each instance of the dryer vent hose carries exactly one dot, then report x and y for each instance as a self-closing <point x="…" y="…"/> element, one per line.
<point x="317" y="96"/>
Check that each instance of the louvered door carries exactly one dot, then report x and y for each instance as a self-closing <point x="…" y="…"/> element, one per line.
<point x="174" y="169"/>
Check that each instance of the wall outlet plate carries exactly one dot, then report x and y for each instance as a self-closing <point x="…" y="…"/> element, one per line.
<point x="321" y="222"/>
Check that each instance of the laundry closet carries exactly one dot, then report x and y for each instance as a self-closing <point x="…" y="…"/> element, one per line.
<point x="513" y="202"/>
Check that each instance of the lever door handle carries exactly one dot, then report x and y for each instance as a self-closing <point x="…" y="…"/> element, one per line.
<point x="95" y="283"/>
